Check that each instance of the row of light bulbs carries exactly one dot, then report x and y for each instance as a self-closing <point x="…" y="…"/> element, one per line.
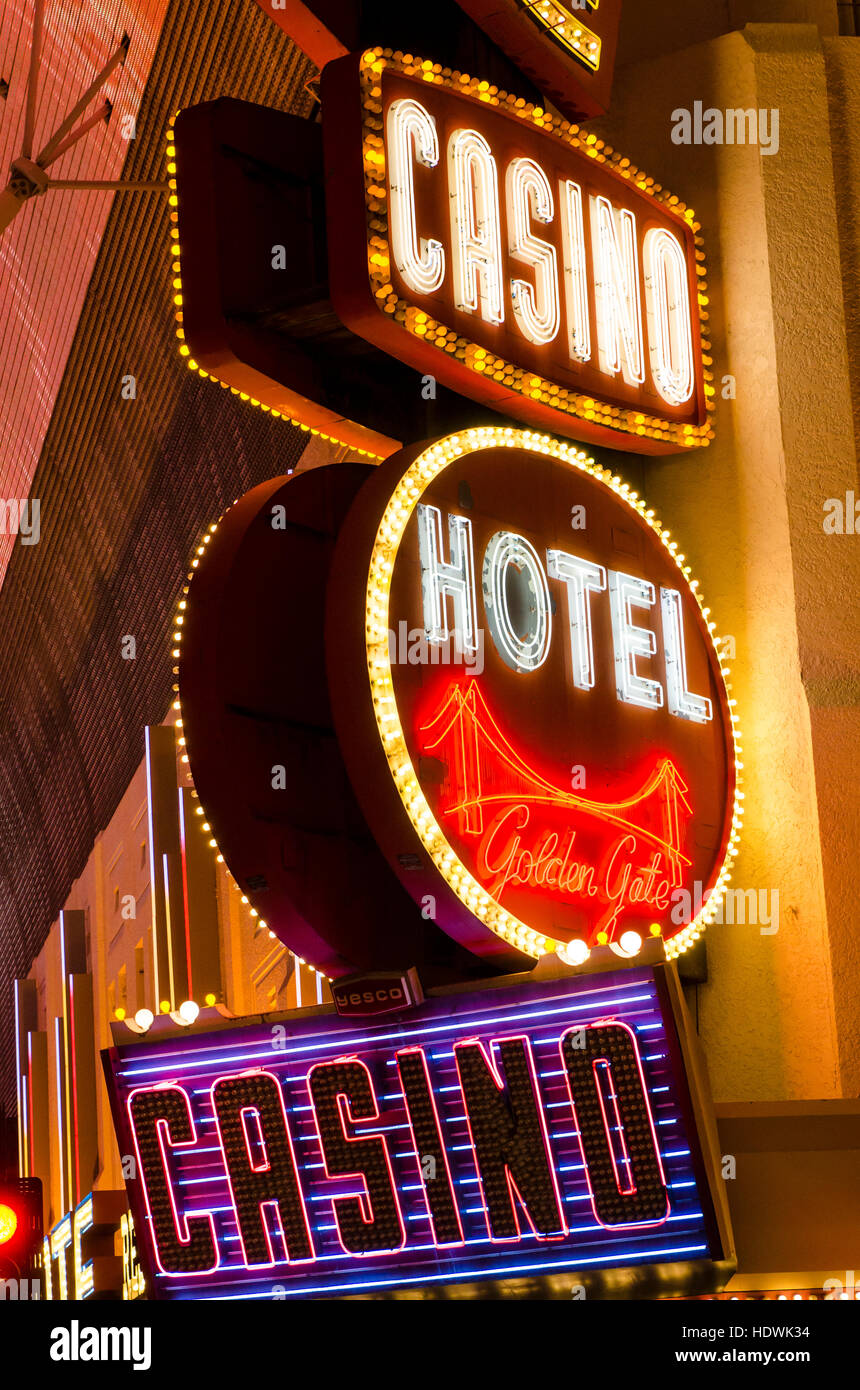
<point x="628" y="945"/>
<point x="185" y="1015"/>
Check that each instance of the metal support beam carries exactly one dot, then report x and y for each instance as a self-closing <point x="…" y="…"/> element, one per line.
<point x="103" y="114"/>
<point x="46" y="155"/>
<point x="33" y="79"/>
<point x="100" y="185"/>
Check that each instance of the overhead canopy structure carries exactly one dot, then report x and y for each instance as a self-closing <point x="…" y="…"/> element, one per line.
<point x="124" y="481"/>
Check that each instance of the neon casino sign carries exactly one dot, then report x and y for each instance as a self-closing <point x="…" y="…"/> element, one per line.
<point x="561" y="763"/>
<point x="512" y="256"/>
<point x="531" y="1129"/>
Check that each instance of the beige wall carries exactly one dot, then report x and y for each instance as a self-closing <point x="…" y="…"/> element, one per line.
<point x="779" y="1017"/>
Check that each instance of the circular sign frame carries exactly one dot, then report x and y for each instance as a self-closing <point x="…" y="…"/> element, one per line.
<point x="276" y="803"/>
<point x="382" y="533"/>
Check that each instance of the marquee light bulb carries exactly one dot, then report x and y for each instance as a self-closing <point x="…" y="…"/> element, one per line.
<point x="631" y="943"/>
<point x="188" y="1011"/>
<point x="573" y="952"/>
<point x="144" y="1018"/>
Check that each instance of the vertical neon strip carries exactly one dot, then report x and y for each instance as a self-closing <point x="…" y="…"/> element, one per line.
<point x="169" y="925"/>
<point x="25" y="1111"/>
<point x="186" y="912"/>
<point x="63" y="1166"/>
<point x="150" y="815"/>
<point x="72" y="1117"/>
<point x="22" y="1114"/>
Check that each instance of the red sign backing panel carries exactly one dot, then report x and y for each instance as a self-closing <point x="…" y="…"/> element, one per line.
<point x="567" y="49"/>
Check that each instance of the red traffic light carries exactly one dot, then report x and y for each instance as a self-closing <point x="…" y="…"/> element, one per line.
<point x="8" y="1223"/>
<point x="20" y="1223"/>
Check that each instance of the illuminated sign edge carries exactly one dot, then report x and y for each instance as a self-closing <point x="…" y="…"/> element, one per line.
<point x="297" y="410"/>
<point x="423" y="467"/>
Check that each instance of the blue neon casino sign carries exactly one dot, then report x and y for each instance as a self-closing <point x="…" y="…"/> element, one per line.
<point x="522" y="1129"/>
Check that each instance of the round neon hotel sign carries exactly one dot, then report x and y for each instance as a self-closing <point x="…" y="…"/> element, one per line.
<point x="482" y="666"/>
<point x="531" y="706"/>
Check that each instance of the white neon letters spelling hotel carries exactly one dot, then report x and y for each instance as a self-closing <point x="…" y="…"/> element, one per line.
<point x="530" y="202"/>
<point x="524" y="652"/>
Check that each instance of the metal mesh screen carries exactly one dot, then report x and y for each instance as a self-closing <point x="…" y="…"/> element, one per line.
<point x="125" y="486"/>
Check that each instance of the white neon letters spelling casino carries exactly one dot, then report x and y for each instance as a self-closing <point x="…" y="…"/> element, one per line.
<point x="549" y="304"/>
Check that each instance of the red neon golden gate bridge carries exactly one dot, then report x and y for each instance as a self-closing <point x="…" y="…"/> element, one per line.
<point x="486" y="774"/>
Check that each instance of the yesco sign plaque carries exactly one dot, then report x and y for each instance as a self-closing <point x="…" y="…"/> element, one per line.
<point x="532" y="1128"/>
<point x="561" y="762"/>
<point x="512" y="256"/>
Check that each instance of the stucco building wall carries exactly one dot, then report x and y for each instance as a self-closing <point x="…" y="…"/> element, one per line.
<point x="779" y="1015"/>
